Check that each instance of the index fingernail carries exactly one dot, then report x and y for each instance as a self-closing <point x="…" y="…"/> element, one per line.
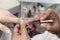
<point x="21" y="22"/>
<point x="41" y="18"/>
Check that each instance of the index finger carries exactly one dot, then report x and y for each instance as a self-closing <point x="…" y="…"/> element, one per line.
<point x="16" y="29"/>
<point x="23" y="28"/>
<point x="45" y="14"/>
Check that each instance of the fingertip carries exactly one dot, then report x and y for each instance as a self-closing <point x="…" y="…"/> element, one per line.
<point x="46" y="26"/>
<point x="8" y="31"/>
<point x="41" y="18"/>
<point x="43" y="25"/>
<point x="36" y="17"/>
<point x="22" y="23"/>
<point x="17" y="25"/>
<point x="5" y="29"/>
<point x="49" y="10"/>
<point x="16" y="28"/>
<point x="42" y="15"/>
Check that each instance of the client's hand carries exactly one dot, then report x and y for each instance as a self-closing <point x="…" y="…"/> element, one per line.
<point x="6" y="16"/>
<point x="20" y="34"/>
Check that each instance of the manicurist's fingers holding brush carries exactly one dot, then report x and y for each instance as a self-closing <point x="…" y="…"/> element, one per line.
<point x="50" y="15"/>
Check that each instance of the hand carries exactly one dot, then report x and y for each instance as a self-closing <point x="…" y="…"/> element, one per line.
<point x="6" y="16"/>
<point x="20" y="34"/>
<point x="6" y="32"/>
<point x="5" y="29"/>
<point x="50" y="14"/>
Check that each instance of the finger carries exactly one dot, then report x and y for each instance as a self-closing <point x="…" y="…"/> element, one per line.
<point x="45" y="14"/>
<point x="8" y="17"/>
<point x="16" y="29"/>
<point x="5" y="29"/>
<point x="12" y="15"/>
<point x="14" y="20"/>
<point x="46" y="26"/>
<point x="9" y="20"/>
<point x="6" y="12"/>
<point x="36" y="17"/>
<point x="23" y="28"/>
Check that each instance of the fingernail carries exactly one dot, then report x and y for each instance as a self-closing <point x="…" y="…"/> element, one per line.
<point x="8" y="31"/>
<point x="41" y="18"/>
<point x="22" y="22"/>
<point x="36" y="15"/>
<point x="43" y="25"/>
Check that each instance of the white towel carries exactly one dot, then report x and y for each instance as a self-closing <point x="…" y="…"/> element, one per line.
<point x="45" y="36"/>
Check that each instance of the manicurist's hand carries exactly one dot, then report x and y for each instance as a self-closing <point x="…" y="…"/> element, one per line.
<point x="50" y="14"/>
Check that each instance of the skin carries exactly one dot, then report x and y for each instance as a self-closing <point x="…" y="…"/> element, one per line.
<point x="51" y="27"/>
<point x="6" y="17"/>
<point x="20" y="34"/>
<point x="44" y="15"/>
